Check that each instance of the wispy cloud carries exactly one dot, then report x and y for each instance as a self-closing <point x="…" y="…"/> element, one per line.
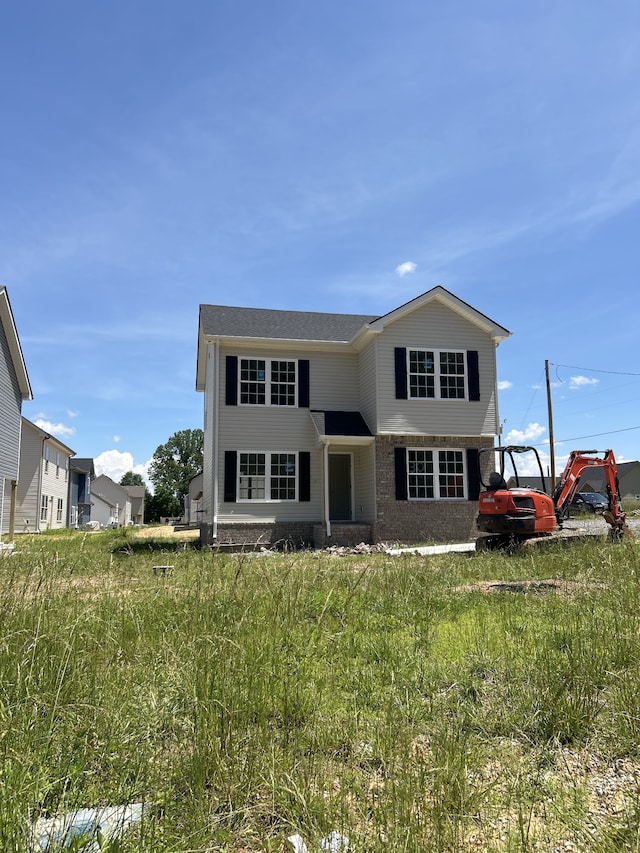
<point x="504" y="385"/>
<point x="406" y="268"/>
<point x="582" y="382"/>
<point x="59" y="430"/>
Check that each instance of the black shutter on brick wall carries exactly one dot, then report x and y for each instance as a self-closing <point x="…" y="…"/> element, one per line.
<point x="400" y="354"/>
<point x="474" y="374"/>
<point x="303" y="383"/>
<point x="400" y="454"/>
<point x="304" y="482"/>
<point x="231" y="384"/>
<point x="473" y="474"/>
<point x="230" y="466"/>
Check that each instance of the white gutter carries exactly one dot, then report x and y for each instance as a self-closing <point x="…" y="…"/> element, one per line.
<point x="325" y="459"/>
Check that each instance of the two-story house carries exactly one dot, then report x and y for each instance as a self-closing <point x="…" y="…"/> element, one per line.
<point x="110" y="502"/>
<point x="340" y="428"/>
<point x="43" y="486"/>
<point x="81" y="472"/>
<point x="14" y="390"/>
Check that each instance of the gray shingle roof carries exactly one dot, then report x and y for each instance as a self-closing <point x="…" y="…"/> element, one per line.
<point x="227" y="321"/>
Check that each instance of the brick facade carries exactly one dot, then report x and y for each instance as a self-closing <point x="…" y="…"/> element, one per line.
<point x="412" y="522"/>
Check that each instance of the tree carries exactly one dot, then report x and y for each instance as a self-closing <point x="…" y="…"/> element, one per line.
<point x="131" y="479"/>
<point x="174" y="464"/>
<point x="161" y="505"/>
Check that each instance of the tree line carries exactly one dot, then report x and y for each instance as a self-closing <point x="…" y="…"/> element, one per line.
<point x="173" y="465"/>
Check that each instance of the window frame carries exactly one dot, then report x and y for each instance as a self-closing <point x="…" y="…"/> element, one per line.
<point x="438" y="474"/>
<point x="44" y="507"/>
<point x="268" y="478"/>
<point x="270" y="385"/>
<point x="414" y="377"/>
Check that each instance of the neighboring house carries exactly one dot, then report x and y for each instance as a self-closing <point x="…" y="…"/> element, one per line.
<point x="628" y="480"/>
<point x="103" y="512"/>
<point x="43" y="483"/>
<point x="193" y="500"/>
<point x="136" y="496"/>
<point x="110" y="502"/>
<point x="81" y="472"/>
<point x="334" y="428"/>
<point x="14" y="390"/>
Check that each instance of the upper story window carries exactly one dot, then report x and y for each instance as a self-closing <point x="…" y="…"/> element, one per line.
<point x="265" y="381"/>
<point x="436" y="374"/>
<point x="432" y="374"/>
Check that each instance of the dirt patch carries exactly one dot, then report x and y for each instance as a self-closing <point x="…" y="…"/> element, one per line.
<point x="555" y="586"/>
<point x="165" y="531"/>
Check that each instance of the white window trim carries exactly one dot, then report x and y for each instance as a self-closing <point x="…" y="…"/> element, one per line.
<point x="436" y="374"/>
<point x="267" y="499"/>
<point x="267" y="383"/>
<point x="436" y="473"/>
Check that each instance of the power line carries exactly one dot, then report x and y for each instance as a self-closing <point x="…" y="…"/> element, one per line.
<point x="595" y="370"/>
<point x="593" y="435"/>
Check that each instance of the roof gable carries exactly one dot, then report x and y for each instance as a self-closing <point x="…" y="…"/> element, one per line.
<point x="440" y="294"/>
<point x="13" y="342"/>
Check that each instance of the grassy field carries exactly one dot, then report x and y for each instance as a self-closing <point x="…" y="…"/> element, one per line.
<point x="411" y="703"/>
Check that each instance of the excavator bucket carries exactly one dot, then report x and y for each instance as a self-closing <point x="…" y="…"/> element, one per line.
<point x="619" y="529"/>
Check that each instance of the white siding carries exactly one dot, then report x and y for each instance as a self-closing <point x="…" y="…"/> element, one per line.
<point x="55" y="484"/>
<point x="368" y="384"/>
<point x="436" y="326"/>
<point x="212" y="380"/>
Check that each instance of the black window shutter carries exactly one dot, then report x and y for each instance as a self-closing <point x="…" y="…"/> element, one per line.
<point x="304" y="478"/>
<point x="231" y="388"/>
<point x="230" y="465"/>
<point x="473" y="474"/>
<point x="401" y="473"/>
<point x="474" y="374"/>
<point x="303" y="383"/>
<point x="401" y="372"/>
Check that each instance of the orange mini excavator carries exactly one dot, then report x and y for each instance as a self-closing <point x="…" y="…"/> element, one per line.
<point x="509" y="515"/>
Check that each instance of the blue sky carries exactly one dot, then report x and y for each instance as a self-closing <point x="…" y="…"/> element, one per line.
<point x="318" y="156"/>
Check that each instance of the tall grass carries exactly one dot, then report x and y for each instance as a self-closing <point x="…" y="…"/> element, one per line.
<point x="411" y="703"/>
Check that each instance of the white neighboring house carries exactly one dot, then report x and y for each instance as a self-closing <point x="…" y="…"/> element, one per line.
<point x="193" y="509"/>
<point x="110" y="502"/>
<point x="43" y="482"/>
<point x="14" y="389"/>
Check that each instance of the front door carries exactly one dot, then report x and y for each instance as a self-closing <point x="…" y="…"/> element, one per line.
<point x="339" y="487"/>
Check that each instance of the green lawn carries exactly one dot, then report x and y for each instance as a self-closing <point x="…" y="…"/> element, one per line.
<point x="484" y="702"/>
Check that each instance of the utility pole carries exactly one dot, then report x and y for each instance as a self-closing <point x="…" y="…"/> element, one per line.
<point x="552" y="452"/>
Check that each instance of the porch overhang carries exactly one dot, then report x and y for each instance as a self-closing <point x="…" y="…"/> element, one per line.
<point x="341" y="427"/>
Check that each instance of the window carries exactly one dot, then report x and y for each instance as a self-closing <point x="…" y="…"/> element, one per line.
<point x="435" y="475"/>
<point x="252" y="477"/>
<point x="283" y="477"/>
<point x="436" y="374"/>
<point x="44" y="507"/>
<point x="266" y="381"/>
<point x="267" y="476"/>
<point x="59" y="511"/>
